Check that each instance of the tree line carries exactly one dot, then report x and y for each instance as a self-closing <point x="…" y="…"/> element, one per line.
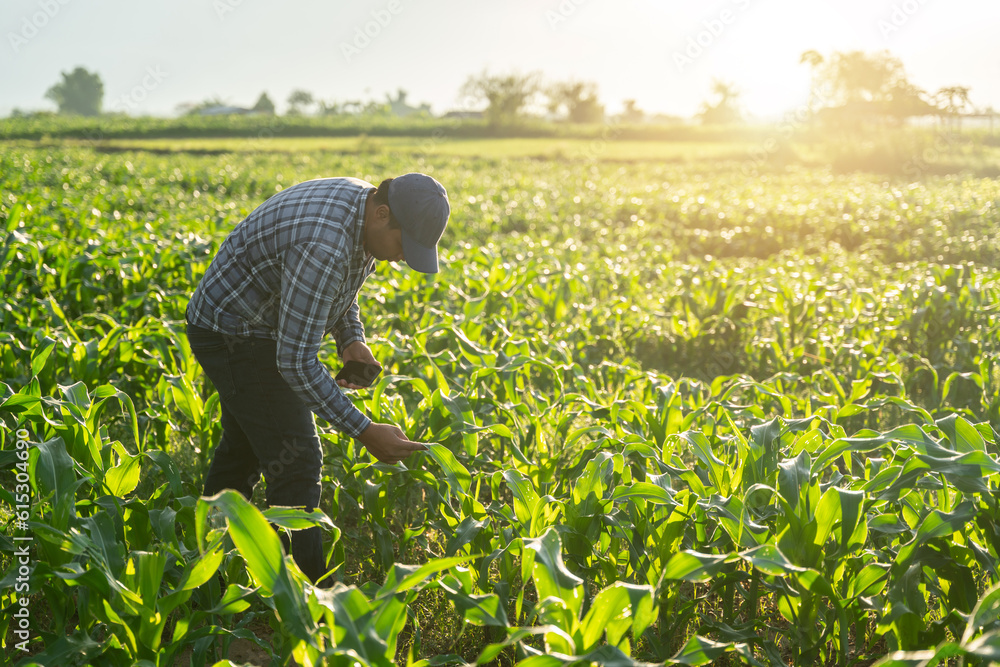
<point x="849" y="89"/>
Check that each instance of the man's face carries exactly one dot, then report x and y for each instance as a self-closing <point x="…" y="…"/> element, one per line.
<point x="383" y="242"/>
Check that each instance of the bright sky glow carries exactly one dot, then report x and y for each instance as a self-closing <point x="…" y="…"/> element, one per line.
<point x="167" y="53"/>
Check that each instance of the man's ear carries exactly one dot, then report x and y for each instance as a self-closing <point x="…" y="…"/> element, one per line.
<point x="382" y="213"/>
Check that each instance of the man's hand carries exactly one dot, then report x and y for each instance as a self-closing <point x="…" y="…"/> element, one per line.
<point x="357" y="351"/>
<point x="388" y="443"/>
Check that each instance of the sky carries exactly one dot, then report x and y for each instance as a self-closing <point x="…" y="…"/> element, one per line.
<point x="153" y="56"/>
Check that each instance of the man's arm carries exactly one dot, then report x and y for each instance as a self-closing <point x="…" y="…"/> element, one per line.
<point x="348" y="329"/>
<point x="310" y="275"/>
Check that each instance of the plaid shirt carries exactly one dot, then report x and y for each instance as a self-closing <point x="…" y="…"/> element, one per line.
<point x="291" y="272"/>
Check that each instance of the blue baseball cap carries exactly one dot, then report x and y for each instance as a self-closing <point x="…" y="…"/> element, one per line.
<point x="420" y="204"/>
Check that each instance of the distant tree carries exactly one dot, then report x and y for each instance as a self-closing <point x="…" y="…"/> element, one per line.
<point x="505" y="94"/>
<point x="577" y="100"/>
<point x="331" y="108"/>
<point x="400" y="99"/>
<point x="632" y="113"/>
<point x="352" y="107"/>
<point x="80" y="92"/>
<point x="374" y="108"/>
<point x="812" y="58"/>
<point x="726" y="109"/>
<point x="398" y="106"/>
<point x="904" y="100"/>
<point x="953" y="100"/>
<point x="854" y="77"/>
<point x="264" y="105"/>
<point x="299" y="99"/>
<point x="853" y="87"/>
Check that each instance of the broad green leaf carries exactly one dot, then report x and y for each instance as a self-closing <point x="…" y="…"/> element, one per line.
<point x="53" y="471"/>
<point x="987" y="612"/>
<point x="909" y="433"/>
<point x="550" y="574"/>
<point x="41" y="354"/>
<point x="871" y="580"/>
<point x="464" y="533"/>
<point x="541" y="661"/>
<point x="76" y="394"/>
<point x="985" y="647"/>
<point x="525" y="497"/>
<point x="253" y="536"/>
<point x="645" y="491"/>
<point x="122" y="479"/>
<point x="793" y="474"/>
<point x="769" y="560"/>
<point x="702" y="448"/>
<point x="404" y="577"/>
<point x="459" y="479"/>
<point x="616" y="609"/>
<point x="201" y="570"/>
<point x="233" y="601"/>
<point x="691" y="565"/>
<point x="515" y="636"/>
<point x="963" y="436"/>
<point x="828" y="512"/>
<point x="477" y="609"/>
<point x="295" y="518"/>
<point x="701" y="651"/>
<point x="145" y="573"/>
<point x="928" y="658"/>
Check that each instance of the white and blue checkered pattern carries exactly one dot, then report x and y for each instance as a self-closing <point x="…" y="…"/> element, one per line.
<point x="291" y="272"/>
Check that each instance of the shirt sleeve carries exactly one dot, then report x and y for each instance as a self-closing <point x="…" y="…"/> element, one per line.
<point x="348" y="329"/>
<point x="311" y="277"/>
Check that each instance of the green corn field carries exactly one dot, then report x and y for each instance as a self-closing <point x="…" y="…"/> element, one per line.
<point x="681" y="415"/>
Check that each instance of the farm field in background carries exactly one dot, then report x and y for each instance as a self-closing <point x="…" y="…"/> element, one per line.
<point x="906" y="155"/>
<point x="438" y="146"/>
<point x="682" y="415"/>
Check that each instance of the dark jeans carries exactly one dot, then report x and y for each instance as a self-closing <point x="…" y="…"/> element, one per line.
<point x="266" y="429"/>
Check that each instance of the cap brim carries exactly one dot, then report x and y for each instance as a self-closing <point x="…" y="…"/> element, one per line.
<point x="419" y="257"/>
